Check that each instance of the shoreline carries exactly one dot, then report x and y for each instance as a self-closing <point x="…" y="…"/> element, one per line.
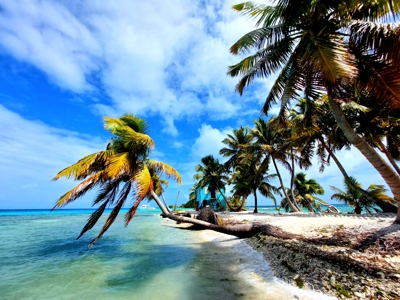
<point x="335" y="270"/>
<point x="248" y="268"/>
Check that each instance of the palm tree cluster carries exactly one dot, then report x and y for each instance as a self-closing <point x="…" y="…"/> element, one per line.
<point x="343" y="53"/>
<point x="309" y="130"/>
<point x="124" y="169"/>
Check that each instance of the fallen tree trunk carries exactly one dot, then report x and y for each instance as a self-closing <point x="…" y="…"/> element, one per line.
<point x="242" y="230"/>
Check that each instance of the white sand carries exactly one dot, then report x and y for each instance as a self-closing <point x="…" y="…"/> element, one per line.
<point x="305" y="223"/>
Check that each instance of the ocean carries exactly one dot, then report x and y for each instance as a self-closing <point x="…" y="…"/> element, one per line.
<point x="40" y="258"/>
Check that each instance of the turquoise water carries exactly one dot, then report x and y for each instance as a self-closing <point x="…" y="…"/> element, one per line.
<point x="271" y="209"/>
<point x="40" y="258"/>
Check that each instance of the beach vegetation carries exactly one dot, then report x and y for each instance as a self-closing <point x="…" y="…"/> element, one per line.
<point x="299" y="282"/>
<point x="354" y="198"/>
<point x="341" y="290"/>
<point x="338" y="50"/>
<point x="124" y="168"/>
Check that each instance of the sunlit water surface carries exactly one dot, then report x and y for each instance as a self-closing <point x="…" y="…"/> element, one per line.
<point x="40" y="258"/>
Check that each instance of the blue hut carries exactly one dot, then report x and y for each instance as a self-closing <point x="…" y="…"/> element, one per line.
<point x="206" y="197"/>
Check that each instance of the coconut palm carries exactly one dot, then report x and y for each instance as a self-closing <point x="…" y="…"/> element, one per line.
<point x="336" y="46"/>
<point x="353" y="197"/>
<point x="125" y="163"/>
<point x="306" y="190"/>
<point x="315" y="130"/>
<point x="253" y="170"/>
<point x="234" y="145"/>
<point x="211" y="174"/>
<point x="268" y="140"/>
<point x="240" y="188"/>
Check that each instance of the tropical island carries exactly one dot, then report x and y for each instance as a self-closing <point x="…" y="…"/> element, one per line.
<point x="336" y="68"/>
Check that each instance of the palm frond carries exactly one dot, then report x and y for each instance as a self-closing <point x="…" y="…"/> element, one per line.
<point x="79" y="190"/>
<point x="163" y="168"/>
<point x="114" y="213"/>
<point x="118" y="165"/>
<point x="93" y="219"/>
<point x="383" y="39"/>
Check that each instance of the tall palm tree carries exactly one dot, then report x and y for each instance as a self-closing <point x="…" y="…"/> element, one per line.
<point x="353" y="197"/>
<point x="236" y="143"/>
<point x="125" y="162"/>
<point x="306" y="40"/>
<point x="268" y="141"/>
<point x="212" y="174"/>
<point x="315" y="129"/>
<point x="241" y="187"/>
<point x="234" y="146"/>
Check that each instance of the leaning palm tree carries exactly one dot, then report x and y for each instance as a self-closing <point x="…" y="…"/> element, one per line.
<point x="353" y="197"/>
<point x="123" y="169"/>
<point x="315" y="128"/>
<point x="334" y="46"/>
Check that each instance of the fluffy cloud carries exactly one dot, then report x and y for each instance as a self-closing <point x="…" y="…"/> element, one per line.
<point x="149" y="57"/>
<point x="209" y="141"/>
<point x="31" y="154"/>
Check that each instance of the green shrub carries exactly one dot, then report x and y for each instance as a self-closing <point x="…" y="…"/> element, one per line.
<point x="299" y="282"/>
<point x="341" y="290"/>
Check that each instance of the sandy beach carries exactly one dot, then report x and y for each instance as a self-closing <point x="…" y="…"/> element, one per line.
<point x="345" y="270"/>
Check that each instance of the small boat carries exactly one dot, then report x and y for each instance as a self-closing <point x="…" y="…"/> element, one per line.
<point x="146" y="206"/>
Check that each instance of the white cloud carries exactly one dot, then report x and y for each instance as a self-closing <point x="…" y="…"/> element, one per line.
<point x="209" y="141"/>
<point x="31" y="154"/>
<point x="149" y="57"/>
<point x="177" y="145"/>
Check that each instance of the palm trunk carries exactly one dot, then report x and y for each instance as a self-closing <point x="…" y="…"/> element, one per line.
<point x="388" y="155"/>
<point x="243" y="202"/>
<point x="292" y="183"/>
<point x="176" y="202"/>
<point x="292" y="207"/>
<point x="255" y="201"/>
<point x="165" y="203"/>
<point x="226" y="201"/>
<point x="388" y="174"/>
<point x="243" y="230"/>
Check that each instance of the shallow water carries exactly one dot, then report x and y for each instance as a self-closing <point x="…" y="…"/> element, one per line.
<point x="40" y="258"/>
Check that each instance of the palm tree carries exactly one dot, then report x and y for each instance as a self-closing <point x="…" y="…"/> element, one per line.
<point x="267" y="141"/>
<point x="306" y="190"/>
<point x="126" y="163"/>
<point x="235" y="142"/>
<point x="241" y="188"/>
<point x="211" y="174"/>
<point x="192" y="197"/>
<point x="314" y="128"/>
<point x="305" y="40"/>
<point x="353" y="197"/>
<point x="253" y="171"/>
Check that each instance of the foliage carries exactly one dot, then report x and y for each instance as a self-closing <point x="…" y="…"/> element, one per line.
<point x="211" y="173"/>
<point x="353" y="197"/>
<point x="125" y="162"/>
<point x="305" y="191"/>
<point x="342" y="48"/>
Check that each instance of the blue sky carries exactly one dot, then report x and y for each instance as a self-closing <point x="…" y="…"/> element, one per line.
<point x="65" y="65"/>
